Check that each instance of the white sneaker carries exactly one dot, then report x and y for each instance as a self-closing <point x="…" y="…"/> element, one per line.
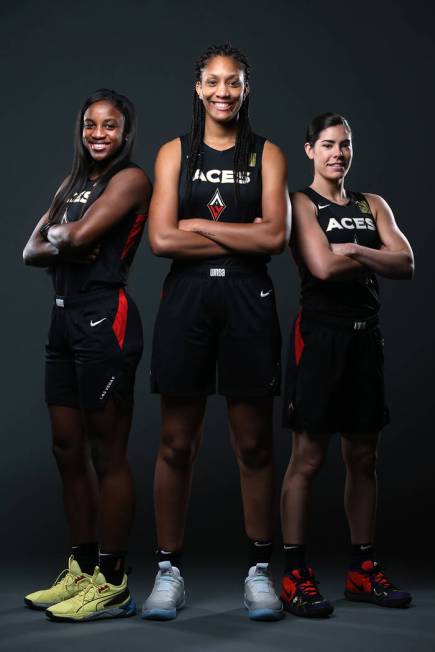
<point x="260" y="597"/>
<point x="167" y="596"/>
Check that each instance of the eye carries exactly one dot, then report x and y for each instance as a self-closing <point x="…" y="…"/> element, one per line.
<point x="235" y="83"/>
<point x="211" y="82"/>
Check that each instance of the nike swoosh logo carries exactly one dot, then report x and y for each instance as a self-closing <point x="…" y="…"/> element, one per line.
<point x="264" y="294"/>
<point x="324" y="206"/>
<point x="95" y="323"/>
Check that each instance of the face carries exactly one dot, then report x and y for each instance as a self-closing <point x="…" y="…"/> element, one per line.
<point x="222" y="88"/>
<point x="332" y="152"/>
<point x="103" y="130"/>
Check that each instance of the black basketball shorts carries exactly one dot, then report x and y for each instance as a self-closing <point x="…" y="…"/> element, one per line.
<point x="93" y="349"/>
<point x="217" y="330"/>
<point x="334" y="377"/>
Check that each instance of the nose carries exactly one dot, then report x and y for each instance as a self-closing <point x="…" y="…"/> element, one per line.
<point x="98" y="132"/>
<point x="222" y="90"/>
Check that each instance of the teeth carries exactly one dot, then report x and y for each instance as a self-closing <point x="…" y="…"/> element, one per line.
<point x="221" y="105"/>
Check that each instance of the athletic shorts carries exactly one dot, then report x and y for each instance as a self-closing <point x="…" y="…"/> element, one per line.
<point x="334" y="378"/>
<point x="217" y="330"/>
<point x="93" y="349"/>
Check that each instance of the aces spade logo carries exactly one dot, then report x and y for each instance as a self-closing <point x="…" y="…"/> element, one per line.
<point x="216" y="205"/>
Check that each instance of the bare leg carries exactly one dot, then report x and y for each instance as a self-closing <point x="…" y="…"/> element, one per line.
<point x="308" y="454"/>
<point x="360" y="495"/>
<point x="252" y="440"/>
<point x="108" y="430"/>
<point x="79" y="482"/>
<point x="182" y="420"/>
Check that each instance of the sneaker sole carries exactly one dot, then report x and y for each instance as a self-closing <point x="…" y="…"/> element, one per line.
<point x="161" y="614"/>
<point x="360" y="597"/>
<point x="124" y="611"/>
<point x="265" y="614"/>
<point x="319" y="613"/>
<point x="39" y="606"/>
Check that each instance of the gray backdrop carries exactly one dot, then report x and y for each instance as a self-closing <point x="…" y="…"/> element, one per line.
<point x="369" y="61"/>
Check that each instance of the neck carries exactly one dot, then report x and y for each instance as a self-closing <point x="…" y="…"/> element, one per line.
<point x="332" y="189"/>
<point x="220" y="135"/>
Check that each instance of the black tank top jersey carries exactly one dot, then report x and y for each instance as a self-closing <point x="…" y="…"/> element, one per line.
<point x="213" y="196"/>
<point x="111" y="267"/>
<point x="353" y="298"/>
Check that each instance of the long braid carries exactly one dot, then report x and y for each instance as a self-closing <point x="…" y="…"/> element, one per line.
<point x="244" y="137"/>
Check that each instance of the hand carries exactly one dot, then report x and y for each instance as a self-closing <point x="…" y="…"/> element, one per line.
<point x="344" y="248"/>
<point x="258" y="220"/>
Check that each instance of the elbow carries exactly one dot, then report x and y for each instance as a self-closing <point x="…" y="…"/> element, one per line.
<point x="278" y="244"/>
<point x="159" y="245"/>
<point x="322" y="273"/>
<point x="27" y="258"/>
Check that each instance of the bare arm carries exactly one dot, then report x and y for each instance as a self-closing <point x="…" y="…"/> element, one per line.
<point x="128" y="190"/>
<point x="37" y="251"/>
<point x="395" y="259"/>
<point x="166" y="239"/>
<point x="271" y="234"/>
<point x="313" y="246"/>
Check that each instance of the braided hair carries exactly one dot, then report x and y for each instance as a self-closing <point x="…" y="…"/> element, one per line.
<point x="244" y="138"/>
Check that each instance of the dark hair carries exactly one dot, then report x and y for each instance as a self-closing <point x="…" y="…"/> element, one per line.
<point x="244" y="138"/>
<point x="82" y="160"/>
<point x="322" y="122"/>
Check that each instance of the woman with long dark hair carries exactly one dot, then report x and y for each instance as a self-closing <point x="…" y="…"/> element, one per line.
<point x="88" y="239"/>
<point x="335" y="378"/>
<point x="217" y="318"/>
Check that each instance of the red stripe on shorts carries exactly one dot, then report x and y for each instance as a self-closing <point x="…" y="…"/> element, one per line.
<point x="299" y="342"/>
<point x="120" y="322"/>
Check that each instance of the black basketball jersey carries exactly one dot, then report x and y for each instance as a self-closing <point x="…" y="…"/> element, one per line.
<point x="354" y="222"/>
<point x="213" y="196"/>
<point x="111" y="267"/>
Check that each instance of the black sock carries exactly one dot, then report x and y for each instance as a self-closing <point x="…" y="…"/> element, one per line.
<point x="294" y="556"/>
<point x="361" y="552"/>
<point x="86" y="555"/>
<point x="260" y="552"/>
<point x="173" y="557"/>
<point x="112" y="566"/>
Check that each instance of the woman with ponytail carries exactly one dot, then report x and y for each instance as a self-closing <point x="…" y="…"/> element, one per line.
<point x="219" y="210"/>
<point x="88" y="239"/>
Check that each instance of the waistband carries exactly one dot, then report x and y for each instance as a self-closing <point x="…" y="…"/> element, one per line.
<point x="217" y="271"/>
<point x="77" y="300"/>
<point x="343" y="323"/>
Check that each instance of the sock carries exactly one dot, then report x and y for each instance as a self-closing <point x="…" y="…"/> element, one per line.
<point x="260" y="552"/>
<point x="361" y="552"/>
<point x="294" y="556"/>
<point x="112" y="566"/>
<point x="174" y="557"/>
<point x="86" y="555"/>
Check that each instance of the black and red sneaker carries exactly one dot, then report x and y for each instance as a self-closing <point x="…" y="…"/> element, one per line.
<point x="368" y="583"/>
<point x="300" y="595"/>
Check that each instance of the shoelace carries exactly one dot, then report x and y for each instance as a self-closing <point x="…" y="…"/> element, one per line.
<point x="380" y="578"/>
<point x="309" y="588"/>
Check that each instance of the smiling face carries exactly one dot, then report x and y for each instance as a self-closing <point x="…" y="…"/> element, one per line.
<point x="331" y="153"/>
<point x="222" y="88"/>
<point x="103" y="130"/>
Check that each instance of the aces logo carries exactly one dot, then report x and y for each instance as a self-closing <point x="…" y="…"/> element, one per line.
<point x="216" y="205"/>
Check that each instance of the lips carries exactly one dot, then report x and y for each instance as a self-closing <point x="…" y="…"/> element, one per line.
<point x="223" y="106"/>
<point x="98" y="147"/>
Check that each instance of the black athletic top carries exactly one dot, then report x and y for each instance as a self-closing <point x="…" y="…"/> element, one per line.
<point x="213" y="197"/>
<point x="111" y="267"/>
<point x="355" y="298"/>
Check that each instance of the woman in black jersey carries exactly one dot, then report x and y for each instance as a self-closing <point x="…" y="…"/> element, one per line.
<point x="88" y="239"/>
<point x="217" y="310"/>
<point x="334" y="375"/>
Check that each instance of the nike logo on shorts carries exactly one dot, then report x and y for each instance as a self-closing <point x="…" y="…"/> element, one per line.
<point x="95" y="323"/>
<point x="264" y="294"/>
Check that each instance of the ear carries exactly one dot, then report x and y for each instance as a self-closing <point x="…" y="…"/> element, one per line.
<point x="198" y="89"/>
<point x="309" y="151"/>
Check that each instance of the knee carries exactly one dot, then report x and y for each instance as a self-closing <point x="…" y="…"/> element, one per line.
<point x="362" y="462"/>
<point x="107" y="461"/>
<point x="69" y="455"/>
<point x="306" y="466"/>
<point x="254" y="455"/>
<point x="178" y="452"/>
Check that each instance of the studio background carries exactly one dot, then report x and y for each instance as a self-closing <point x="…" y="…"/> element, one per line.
<point x="370" y="61"/>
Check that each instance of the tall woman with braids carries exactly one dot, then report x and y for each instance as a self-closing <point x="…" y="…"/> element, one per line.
<point x="88" y="239"/>
<point x="219" y="210"/>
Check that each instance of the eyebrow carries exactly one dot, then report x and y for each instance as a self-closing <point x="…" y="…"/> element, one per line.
<point x="327" y="140"/>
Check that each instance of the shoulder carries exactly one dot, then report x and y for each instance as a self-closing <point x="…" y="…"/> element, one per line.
<point x="170" y="150"/>
<point x="132" y="179"/>
<point x="273" y="159"/>
<point x="300" y="199"/>
<point x="377" y="203"/>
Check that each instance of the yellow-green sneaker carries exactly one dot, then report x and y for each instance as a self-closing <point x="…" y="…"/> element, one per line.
<point x="70" y="582"/>
<point x="97" y="600"/>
